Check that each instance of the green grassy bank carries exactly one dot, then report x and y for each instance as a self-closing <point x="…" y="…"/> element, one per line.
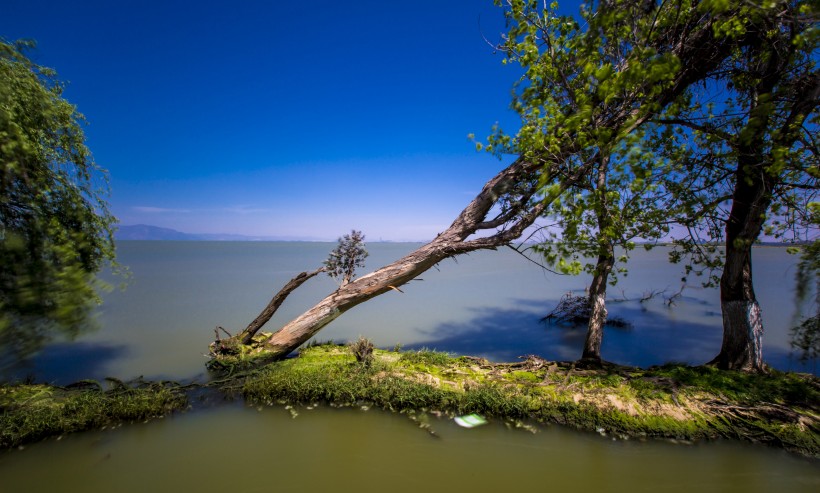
<point x="32" y="412"/>
<point x="673" y="401"/>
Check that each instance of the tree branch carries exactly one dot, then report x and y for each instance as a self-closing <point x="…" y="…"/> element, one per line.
<point x="247" y="335"/>
<point x="707" y="129"/>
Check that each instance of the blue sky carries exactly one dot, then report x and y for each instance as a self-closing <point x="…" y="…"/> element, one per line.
<point x="281" y="118"/>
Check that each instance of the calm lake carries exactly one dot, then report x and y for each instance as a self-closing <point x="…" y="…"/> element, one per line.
<point x="485" y="304"/>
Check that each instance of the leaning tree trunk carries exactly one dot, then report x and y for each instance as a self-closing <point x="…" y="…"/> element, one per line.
<point x="246" y="335"/>
<point x="509" y="225"/>
<point x="515" y="190"/>
<point x="606" y="259"/>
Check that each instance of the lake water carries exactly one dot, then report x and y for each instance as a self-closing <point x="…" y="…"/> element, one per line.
<point x="487" y="304"/>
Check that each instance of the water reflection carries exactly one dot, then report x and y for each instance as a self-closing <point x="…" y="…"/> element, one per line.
<point x="487" y="304"/>
<point x="656" y="334"/>
<point x="67" y="362"/>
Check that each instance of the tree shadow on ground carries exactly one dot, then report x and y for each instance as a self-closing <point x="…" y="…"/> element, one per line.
<point x="654" y="337"/>
<point x="65" y="363"/>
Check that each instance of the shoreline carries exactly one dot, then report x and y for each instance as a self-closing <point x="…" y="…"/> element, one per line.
<point x="668" y="402"/>
<point x="673" y="402"/>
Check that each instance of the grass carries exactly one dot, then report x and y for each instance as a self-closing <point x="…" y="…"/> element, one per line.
<point x="778" y="387"/>
<point x="673" y="401"/>
<point x="33" y="412"/>
<point x="670" y="401"/>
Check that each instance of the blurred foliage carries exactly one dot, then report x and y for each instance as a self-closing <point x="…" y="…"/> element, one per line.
<point x="805" y="336"/>
<point x="55" y="226"/>
<point x="598" y="80"/>
<point x="744" y="147"/>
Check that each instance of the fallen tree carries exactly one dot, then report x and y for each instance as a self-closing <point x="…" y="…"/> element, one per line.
<point x="511" y="222"/>
<point x="560" y="136"/>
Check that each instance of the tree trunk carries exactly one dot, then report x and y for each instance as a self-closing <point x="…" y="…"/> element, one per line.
<point x="606" y="259"/>
<point x="742" y="325"/>
<point x="509" y="225"/>
<point x="742" y="347"/>
<point x="597" y="305"/>
<point x="247" y="335"/>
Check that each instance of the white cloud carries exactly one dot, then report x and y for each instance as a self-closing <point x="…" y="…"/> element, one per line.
<point x="158" y="210"/>
<point x="246" y="209"/>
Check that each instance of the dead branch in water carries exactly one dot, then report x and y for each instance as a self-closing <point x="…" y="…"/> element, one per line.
<point x="576" y="310"/>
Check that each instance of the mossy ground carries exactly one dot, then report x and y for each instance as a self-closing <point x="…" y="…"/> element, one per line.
<point x="32" y="412"/>
<point x="230" y="355"/>
<point x="673" y="401"/>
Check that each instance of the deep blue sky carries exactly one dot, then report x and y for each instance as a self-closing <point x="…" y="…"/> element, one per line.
<point x="281" y="118"/>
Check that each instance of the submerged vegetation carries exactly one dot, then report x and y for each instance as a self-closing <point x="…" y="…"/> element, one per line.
<point x="32" y="412"/>
<point x="575" y="310"/>
<point x="673" y="401"/>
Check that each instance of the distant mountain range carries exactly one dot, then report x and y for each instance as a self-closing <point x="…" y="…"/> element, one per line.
<point x="145" y="232"/>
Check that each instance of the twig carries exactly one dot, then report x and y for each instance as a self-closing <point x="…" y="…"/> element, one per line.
<point x="670" y="301"/>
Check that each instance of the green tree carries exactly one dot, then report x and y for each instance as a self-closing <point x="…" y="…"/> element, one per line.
<point x="749" y="160"/>
<point x="349" y="254"/>
<point x="596" y="82"/>
<point x="55" y="226"/>
<point x="581" y="77"/>
<point x="619" y="203"/>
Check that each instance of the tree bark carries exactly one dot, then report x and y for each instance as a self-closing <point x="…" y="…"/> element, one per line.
<point x="606" y="259"/>
<point x="742" y="348"/>
<point x="597" y="305"/>
<point x="454" y="241"/>
<point x="246" y="335"/>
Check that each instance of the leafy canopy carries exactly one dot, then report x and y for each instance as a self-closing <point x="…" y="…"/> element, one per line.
<point x="745" y="144"/>
<point x="592" y="83"/>
<point x="619" y="204"/>
<point x="55" y="226"/>
<point x="606" y="84"/>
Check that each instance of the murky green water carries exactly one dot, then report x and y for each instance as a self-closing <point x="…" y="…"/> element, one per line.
<point x="241" y="449"/>
<point x="486" y="304"/>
